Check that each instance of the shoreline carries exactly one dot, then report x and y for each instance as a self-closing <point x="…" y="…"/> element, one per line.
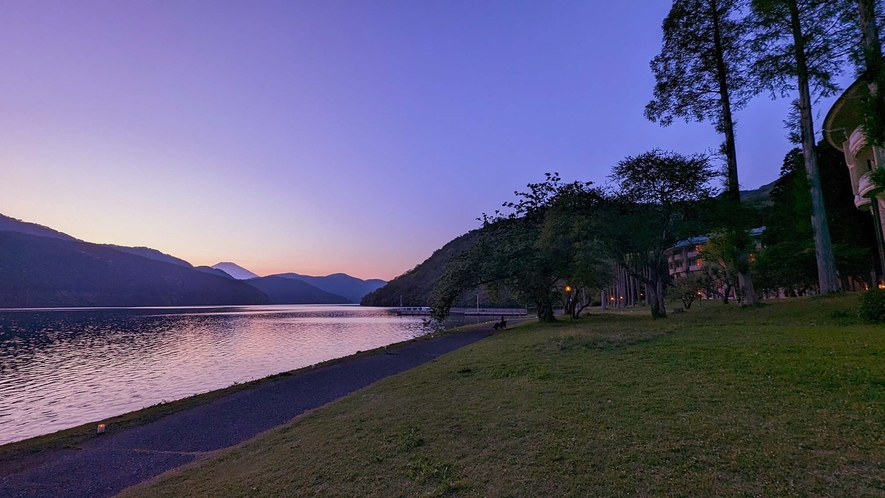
<point x="21" y="455"/>
<point x="116" y="404"/>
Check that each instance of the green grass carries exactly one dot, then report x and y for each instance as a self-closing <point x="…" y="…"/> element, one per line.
<point x="785" y="399"/>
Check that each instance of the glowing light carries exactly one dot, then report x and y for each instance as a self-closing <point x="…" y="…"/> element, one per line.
<point x="100" y="429"/>
<point x="568" y="288"/>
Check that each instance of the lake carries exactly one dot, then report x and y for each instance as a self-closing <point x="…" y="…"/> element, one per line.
<point x="64" y="367"/>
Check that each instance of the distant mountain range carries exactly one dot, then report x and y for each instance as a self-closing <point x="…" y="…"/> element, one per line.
<point x="341" y="284"/>
<point x="42" y="267"/>
<point x="283" y="290"/>
<point x="8" y="224"/>
<point x="758" y="198"/>
<point x="49" y="272"/>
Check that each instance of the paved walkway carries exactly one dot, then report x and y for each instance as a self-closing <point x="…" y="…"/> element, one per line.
<point x="104" y="466"/>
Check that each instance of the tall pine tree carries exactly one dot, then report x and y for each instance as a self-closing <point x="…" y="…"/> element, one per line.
<point x="702" y="74"/>
<point x="801" y="45"/>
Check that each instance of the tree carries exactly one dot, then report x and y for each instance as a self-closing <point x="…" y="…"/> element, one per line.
<point x="788" y="261"/>
<point x="722" y="259"/>
<point x="655" y="196"/>
<point x="801" y="46"/>
<point x="872" y="71"/>
<point x="702" y="74"/>
<point x="689" y="288"/>
<point x="529" y="250"/>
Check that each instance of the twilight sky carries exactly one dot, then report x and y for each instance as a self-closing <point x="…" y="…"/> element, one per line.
<point x="325" y="136"/>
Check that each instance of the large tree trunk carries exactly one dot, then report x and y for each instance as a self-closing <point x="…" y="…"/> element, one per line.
<point x="545" y="308"/>
<point x="655" y="295"/>
<point x="662" y="307"/>
<point x="733" y="192"/>
<point x="823" y="246"/>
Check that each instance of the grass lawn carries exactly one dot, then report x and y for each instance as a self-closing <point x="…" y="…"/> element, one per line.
<point x="787" y="399"/>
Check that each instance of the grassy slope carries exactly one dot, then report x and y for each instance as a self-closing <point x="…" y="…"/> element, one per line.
<point x="784" y="400"/>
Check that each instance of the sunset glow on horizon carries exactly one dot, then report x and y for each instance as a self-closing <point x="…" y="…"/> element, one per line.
<point x="325" y="137"/>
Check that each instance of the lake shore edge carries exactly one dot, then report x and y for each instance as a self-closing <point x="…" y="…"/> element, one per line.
<point x="19" y="455"/>
<point x="784" y="399"/>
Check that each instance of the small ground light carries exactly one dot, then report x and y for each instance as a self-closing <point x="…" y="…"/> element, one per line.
<point x="100" y="429"/>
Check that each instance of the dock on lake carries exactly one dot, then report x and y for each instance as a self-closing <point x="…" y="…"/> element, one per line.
<point x="425" y="310"/>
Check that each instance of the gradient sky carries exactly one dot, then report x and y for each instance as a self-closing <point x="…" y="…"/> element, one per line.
<point x="325" y="136"/>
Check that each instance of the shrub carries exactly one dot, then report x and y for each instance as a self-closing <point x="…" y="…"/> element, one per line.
<point x="872" y="306"/>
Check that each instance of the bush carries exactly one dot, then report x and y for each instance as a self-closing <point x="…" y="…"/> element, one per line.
<point x="872" y="306"/>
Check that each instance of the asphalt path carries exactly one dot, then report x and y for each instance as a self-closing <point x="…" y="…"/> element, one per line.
<point x="106" y="465"/>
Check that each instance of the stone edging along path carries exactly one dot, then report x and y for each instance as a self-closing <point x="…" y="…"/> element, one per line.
<point x="106" y="465"/>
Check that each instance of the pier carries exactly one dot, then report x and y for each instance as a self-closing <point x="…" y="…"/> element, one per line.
<point x="425" y="310"/>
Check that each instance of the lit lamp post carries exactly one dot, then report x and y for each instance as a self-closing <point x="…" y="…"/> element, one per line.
<point x="568" y="302"/>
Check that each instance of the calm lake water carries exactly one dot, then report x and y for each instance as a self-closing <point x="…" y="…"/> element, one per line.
<point x="63" y="368"/>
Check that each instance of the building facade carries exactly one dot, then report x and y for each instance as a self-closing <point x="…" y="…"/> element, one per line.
<point x="843" y="130"/>
<point x="687" y="255"/>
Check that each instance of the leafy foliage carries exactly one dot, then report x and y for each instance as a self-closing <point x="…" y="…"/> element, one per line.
<point x="543" y="239"/>
<point x="703" y="72"/>
<point x="687" y="289"/>
<point x="801" y="45"/>
<point x="788" y="259"/>
<point x="872" y="306"/>
<point x="704" y="44"/>
<point x="655" y="199"/>
<point x="826" y="42"/>
<point x="722" y="262"/>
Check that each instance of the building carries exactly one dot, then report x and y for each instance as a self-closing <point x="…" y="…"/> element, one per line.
<point x="843" y="130"/>
<point x="687" y="255"/>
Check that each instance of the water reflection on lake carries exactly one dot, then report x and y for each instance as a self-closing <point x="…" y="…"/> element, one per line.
<point x="62" y="368"/>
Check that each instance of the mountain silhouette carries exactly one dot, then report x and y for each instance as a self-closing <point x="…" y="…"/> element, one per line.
<point x="234" y="270"/>
<point x="87" y="274"/>
<point x="282" y="290"/>
<point x="37" y="271"/>
<point x="341" y="284"/>
<point x="147" y="252"/>
<point x="214" y="271"/>
<point x="8" y="224"/>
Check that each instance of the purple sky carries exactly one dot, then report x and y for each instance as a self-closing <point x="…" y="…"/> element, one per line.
<point x="324" y="136"/>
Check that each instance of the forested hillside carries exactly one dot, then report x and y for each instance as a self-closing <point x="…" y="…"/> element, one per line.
<point x="416" y="284"/>
<point x="40" y="271"/>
